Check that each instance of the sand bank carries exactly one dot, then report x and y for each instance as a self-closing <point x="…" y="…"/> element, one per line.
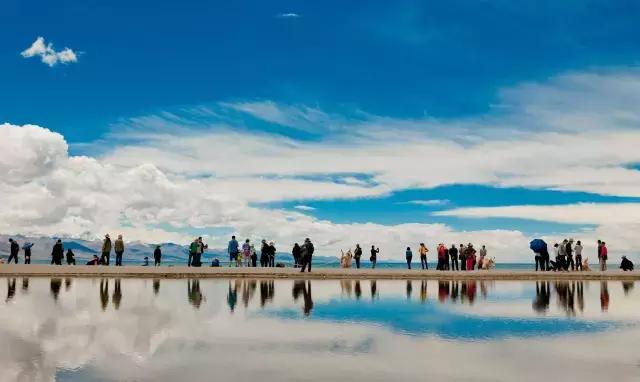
<point x="38" y="270"/>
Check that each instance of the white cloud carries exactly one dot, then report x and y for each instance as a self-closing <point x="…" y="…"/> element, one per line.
<point x="48" y="54"/>
<point x="288" y="15"/>
<point x="304" y="208"/>
<point x="430" y="202"/>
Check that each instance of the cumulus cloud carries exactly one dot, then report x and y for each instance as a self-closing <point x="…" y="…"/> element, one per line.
<point x="48" y="54"/>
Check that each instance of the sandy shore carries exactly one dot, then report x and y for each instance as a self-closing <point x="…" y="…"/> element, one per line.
<point x="290" y="273"/>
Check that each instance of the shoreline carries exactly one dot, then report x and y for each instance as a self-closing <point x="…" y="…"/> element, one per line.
<point x="181" y="272"/>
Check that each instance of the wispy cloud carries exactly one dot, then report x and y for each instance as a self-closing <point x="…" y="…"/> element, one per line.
<point x="288" y="15"/>
<point x="430" y="202"/>
<point x="48" y="54"/>
<point x="304" y="208"/>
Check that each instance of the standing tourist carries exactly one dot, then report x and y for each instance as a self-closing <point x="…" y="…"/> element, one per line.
<point x="57" y="253"/>
<point x="453" y="254"/>
<point x="357" y="254"/>
<point x="470" y="256"/>
<point x="264" y="254"/>
<point x="193" y="251"/>
<point x="106" y="250"/>
<point x="603" y="256"/>
<point x="232" y="249"/>
<point x="578" y="250"/>
<point x="246" y="252"/>
<point x="157" y="256"/>
<point x="483" y="254"/>
<point x="408" y="255"/>
<point x="374" y="256"/>
<point x="118" y="247"/>
<point x="461" y="256"/>
<point x="272" y="254"/>
<point x="13" y="251"/>
<point x="307" y="254"/>
<point x="254" y="256"/>
<point x="27" y="252"/>
<point x="569" y="251"/>
<point x="423" y="256"/>
<point x="296" y="252"/>
<point x="201" y="247"/>
<point x="71" y="259"/>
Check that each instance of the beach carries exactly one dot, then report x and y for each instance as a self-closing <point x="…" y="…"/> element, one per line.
<point x="38" y="270"/>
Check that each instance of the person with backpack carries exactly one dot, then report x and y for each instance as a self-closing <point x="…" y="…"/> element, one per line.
<point x="357" y="254"/>
<point x="307" y="254"/>
<point x="13" y="251"/>
<point x="118" y="247"/>
<point x="106" y="250"/>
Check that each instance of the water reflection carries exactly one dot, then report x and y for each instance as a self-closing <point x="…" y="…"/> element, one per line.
<point x="104" y="293"/>
<point x="25" y="284"/>
<point x="303" y="287"/>
<point x="11" y="288"/>
<point x="193" y="293"/>
<point x="627" y="286"/>
<point x="267" y="292"/>
<point x="156" y="286"/>
<point x="55" y="287"/>
<point x="117" y="295"/>
<point x="604" y="296"/>
<point x="543" y="297"/>
<point x="423" y="291"/>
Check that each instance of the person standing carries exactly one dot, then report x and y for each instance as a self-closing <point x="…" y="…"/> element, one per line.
<point x="118" y="247"/>
<point x="604" y="252"/>
<point x="463" y="260"/>
<point x="232" y="250"/>
<point x="357" y="254"/>
<point x="201" y="248"/>
<point x="57" y="253"/>
<point x="578" y="250"/>
<point x="569" y="251"/>
<point x="13" y="251"/>
<point x="446" y="257"/>
<point x="272" y="254"/>
<point x="423" y="256"/>
<point x="254" y="256"/>
<point x="470" y="256"/>
<point x="157" y="256"/>
<point x="453" y="254"/>
<point x="246" y="252"/>
<point x="193" y="252"/>
<point x="106" y="250"/>
<point x="483" y="254"/>
<point x="374" y="256"/>
<point x="408" y="255"/>
<point x="264" y="254"/>
<point x="296" y="252"/>
<point x="307" y="254"/>
<point x="71" y="259"/>
<point x="27" y="252"/>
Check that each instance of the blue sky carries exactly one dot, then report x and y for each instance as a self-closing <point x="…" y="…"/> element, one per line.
<point x="311" y="81"/>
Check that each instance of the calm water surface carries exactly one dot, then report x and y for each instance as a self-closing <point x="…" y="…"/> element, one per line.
<point x="243" y="330"/>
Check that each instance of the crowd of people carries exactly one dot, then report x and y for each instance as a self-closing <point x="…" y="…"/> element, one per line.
<point x="246" y="255"/>
<point x="569" y="257"/>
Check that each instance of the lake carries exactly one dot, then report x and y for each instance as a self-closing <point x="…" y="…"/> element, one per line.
<point x="84" y="329"/>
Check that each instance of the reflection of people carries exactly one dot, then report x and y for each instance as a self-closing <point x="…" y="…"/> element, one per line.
<point x="55" y="287"/>
<point x="443" y="291"/>
<point x="193" y="293"/>
<point x="604" y="295"/>
<point x="232" y="296"/>
<point x="454" y="291"/>
<point x="25" y="284"/>
<point x="580" y="295"/>
<point x="117" y="295"/>
<point x="565" y="297"/>
<point x="11" y="289"/>
<point x="374" y="289"/>
<point x="409" y="289"/>
<point x="543" y="295"/>
<point x="627" y="286"/>
<point x="423" y="291"/>
<point x="358" y="290"/>
<point x="67" y="283"/>
<point x="104" y="293"/>
<point x="156" y="286"/>
<point x="266" y="292"/>
<point x="304" y="287"/>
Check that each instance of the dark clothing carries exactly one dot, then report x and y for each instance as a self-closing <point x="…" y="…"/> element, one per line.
<point x="71" y="260"/>
<point x="296" y="252"/>
<point x="27" y="255"/>
<point x="272" y="256"/>
<point x="423" y="262"/>
<point x="579" y="262"/>
<point x="104" y="259"/>
<point x="307" y="255"/>
<point x="15" y="249"/>
<point x="264" y="256"/>
<point x="409" y="257"/>
<point x="453" y="254"/>
<point x="463" y="259"/>
<point x="374" y="257"/>
<point x="57" y="254"/>
<point x="626" y="265"/>
<point x="157" y="256"/>
<point x="254" y="259"/>
<point x="357" y="254"/>
<point x="118" y="258"/>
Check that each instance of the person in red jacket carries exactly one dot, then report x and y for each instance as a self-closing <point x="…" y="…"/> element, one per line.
<point x="603" y="256"/>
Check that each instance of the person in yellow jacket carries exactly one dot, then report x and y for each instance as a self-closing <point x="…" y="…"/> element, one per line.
<point x="119" y="249"/>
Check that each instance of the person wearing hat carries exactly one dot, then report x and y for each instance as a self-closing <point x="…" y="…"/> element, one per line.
<point x="106" y="250"/>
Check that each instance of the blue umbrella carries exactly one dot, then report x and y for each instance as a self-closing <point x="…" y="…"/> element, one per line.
<point x="537" y="245"/>
<point x="27" y="245"/>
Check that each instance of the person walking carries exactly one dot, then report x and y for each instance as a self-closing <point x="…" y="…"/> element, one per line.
<point x="71" y="259"/>
<point x="118" y="247"/>
<point x="246" y="252"/>
<point x="307" y="254"/>
<point x="357" y="254"/>
<point x="57" y="253"/>
<point x="408" y="255"/>
<point x="578" y="250"/>
<point x="106" y="250"/>
<point x="13" y="251"/>
<point x="157" y="256"/>
<point x="232" y="250"/>
<point x="423" y="256"/>
<point x="453" y="254"/>
<point x="193" y="252"/>
<point x="463" y="259"/>
<point x="374" y="256"/>
<point x="483" y="254"/>
<point x="604" y="252"/>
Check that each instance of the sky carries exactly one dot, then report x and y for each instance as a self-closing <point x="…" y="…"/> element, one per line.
<point x="386" y="123"/>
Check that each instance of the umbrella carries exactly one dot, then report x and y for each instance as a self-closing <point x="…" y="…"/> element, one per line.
<point x="537" y="245"/>
<point x="27" y="245"/>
